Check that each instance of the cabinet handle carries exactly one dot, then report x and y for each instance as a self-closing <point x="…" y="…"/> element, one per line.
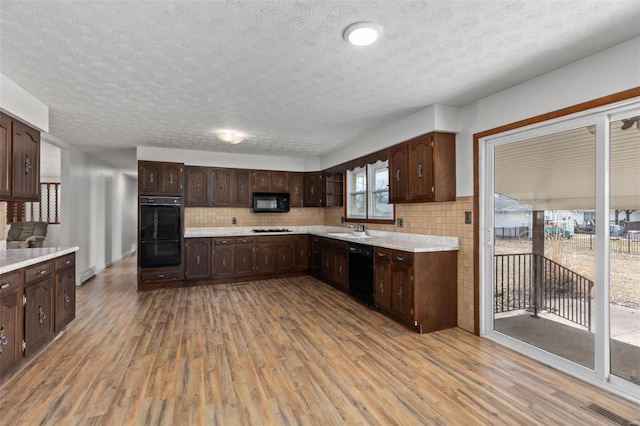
<point x="42" y="271"/>
<point x="419" y="170"/>
<point x="284" y="258"/>
<point x="171" y="178"/>
<point x="400" y="258"/>
<point x="3" y="339"/>
<point x="266" y="260"/>
<point x="41" y="315"/>
<point x="242" y="189"/>
<point x="398" y="175"/>
<point x="198" y="188"/>
<point x="380" y="254"/>
<point x="340" y="269"/>
<point x="27" y="164"/>
<point x="160" y="275"/>
<point x="198" y="259"/>
<point x="312" y="190"/>
<point x="68" y="262"/>
<point x="381" y="286"/>
<point x="66" y="299"/>
<point x="5" y="285"/>
<point x="151" y="178"/>
<point x="224" y="262"/>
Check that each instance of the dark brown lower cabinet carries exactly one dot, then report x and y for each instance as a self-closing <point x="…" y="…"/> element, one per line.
<point x="223" y="266"/>
<point x="65" y="298"/>
<point x="244" y="256"/>
<point x="11" y="322"/>
<point x="197" y="259"/>
<point x="418" y="289"/>
<point x="302" y="252"/>
<point x="38" y="314"/>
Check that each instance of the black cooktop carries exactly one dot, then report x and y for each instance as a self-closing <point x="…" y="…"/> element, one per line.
<point x="272" y="230"/>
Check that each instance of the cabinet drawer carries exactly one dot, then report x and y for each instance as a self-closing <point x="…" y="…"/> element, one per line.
<point x="39" y="271"/>
<point x="9" y="283"/>
<point x="382" y="254"/>
<point x="222" y="241"/>
<point x="403" y="257"/>
<point x="65" y="262"/>
<point x="245" y="240"/>
<point x="160" y="276"/>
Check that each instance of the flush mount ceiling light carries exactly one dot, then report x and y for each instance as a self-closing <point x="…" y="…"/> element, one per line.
<point x="229" y="136"/>
<point x="362" y="33"/>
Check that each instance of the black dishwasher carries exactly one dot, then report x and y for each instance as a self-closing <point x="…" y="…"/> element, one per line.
<point x="361" y="272"/>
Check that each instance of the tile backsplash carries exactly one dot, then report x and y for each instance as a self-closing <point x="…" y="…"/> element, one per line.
<point x="204" y="217"/>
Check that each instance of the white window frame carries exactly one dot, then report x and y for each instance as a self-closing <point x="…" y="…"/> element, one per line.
<point x="369" y="191"/>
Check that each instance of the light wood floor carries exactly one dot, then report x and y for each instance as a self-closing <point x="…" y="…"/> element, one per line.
<point x="282" y="351"/>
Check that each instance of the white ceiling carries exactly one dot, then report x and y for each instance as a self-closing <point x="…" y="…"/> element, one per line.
<point x="117" y="75"/>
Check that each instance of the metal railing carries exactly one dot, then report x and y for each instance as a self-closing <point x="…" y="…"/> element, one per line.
<point x="535" y="283"/>
<point x="627" y="244"/>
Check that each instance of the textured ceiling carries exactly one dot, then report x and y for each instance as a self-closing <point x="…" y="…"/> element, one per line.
<point x="122" y="74"/>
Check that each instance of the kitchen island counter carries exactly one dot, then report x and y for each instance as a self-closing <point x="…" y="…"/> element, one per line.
<point x="13" y="259"/>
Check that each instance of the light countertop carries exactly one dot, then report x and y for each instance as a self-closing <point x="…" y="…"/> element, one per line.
<point x="393" y="240"/>
<point x="13" y="259"/>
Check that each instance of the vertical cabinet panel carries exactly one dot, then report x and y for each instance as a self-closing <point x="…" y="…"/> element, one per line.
<point x="199" y="187"/>
<point x="38" y="313"/>
<point x="26" y="162"/>
<point x="382" y="280"/>
<point x="280" y="181"/>
<point x="398" y="173"/>
<point x="244" y="259"/>
<point x="296" y="189"/>
<point x="402" y="292"/>
<point x="5" y="155"/>
<point x="266" y="258"/>
<point x="149" y="178"/>
<point x="11" y="322"/>
<point x="313" y="189"/>
<point x="242" y="188"/>
<point x="223" y="251"/>
<point x="160" y="178"/>
<point x="222" y="195"/>
<point x="262" y="181"/>
<point x="198" y="258"/>
<point x="302" y="252"/>
<point x="65" y="298"/>
<point x="420" y="169"/>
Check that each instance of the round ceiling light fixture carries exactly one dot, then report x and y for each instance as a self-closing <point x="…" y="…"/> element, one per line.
<point x="362" y="33"/>
<point x="231" y="137"/>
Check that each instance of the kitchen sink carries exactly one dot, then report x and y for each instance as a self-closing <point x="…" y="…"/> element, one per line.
<point x="348" y="235"/>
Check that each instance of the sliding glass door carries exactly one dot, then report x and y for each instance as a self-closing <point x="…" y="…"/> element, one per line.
<point x="560" y="243"/>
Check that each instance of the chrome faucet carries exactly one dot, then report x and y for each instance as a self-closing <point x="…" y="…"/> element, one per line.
<point x="360" y="228"/>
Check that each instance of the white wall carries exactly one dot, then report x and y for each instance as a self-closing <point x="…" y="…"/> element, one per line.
<point x="19" y="103"/>
<point x="98" y="211"/>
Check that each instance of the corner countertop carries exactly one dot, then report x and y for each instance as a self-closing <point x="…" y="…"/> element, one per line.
<point x="393" y="240"/>
<point x="13" y="259"/>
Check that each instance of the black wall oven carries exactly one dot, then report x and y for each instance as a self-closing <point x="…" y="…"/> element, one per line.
<point x="160" y="231"/>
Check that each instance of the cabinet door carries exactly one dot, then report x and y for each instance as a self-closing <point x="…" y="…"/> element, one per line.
<point x="280" y="181"/>
<point x="38" y="315"/>
<point x="313" y="191"/>
<point x="199" y="187"/>
<point x="328" y="260"/>
<point x="197" y="257"/>
<point x="171" y="179"/>
<point x="11" y="324"/>
<point x="420" y="155"/>
<point x="5" y="155"/>
<point x="222" y="187"/>
<point x="402" y="292"/>
<point x="398" y="173"/>
<point x="341" y="268"/>
<point x="223" y="258"/>
<point x="284" y="256"/>
<point x="382" y="284"/>
<point x="65" y="298"/>
<point x="297" y="189"/>
<point x="301" y="255"/>
<point x="262" y="180"/>
<point x="242" y="188"/>
<point x="26" y="162"/>
<point x="266" y="258"/>
<point x="334" y="192"/>
<point x="244" y="259"/>
<point x="148" y="178"/>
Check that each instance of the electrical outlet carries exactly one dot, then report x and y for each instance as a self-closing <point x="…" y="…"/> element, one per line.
<point x="399" y="222"/>
<point x="467" y="218"/>
<point x="234" y="221"/>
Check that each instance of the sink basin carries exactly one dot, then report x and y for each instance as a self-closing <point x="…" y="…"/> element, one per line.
<point x="348" y="235"/>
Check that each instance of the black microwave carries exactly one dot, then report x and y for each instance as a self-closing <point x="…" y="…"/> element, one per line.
<point x="270" y="202"/>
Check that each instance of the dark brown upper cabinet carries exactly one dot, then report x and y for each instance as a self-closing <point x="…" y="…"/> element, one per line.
<point x="270" y="181"/>
<point x="199" y="186"/>
<point x="242" y="187"/>
<point x="334" y="189"/>
<point x="314" y="189"/>
<point x="160" y="178"/>
<point x="423" y="169"/>
<point x="19" y="161"/>
<point x="222" y="187"/>
<point x="296" y="184"/>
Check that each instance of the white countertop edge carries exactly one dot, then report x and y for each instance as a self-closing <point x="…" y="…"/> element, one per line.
<point x="393" y="240"/>
<point x="13" y="259"/>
